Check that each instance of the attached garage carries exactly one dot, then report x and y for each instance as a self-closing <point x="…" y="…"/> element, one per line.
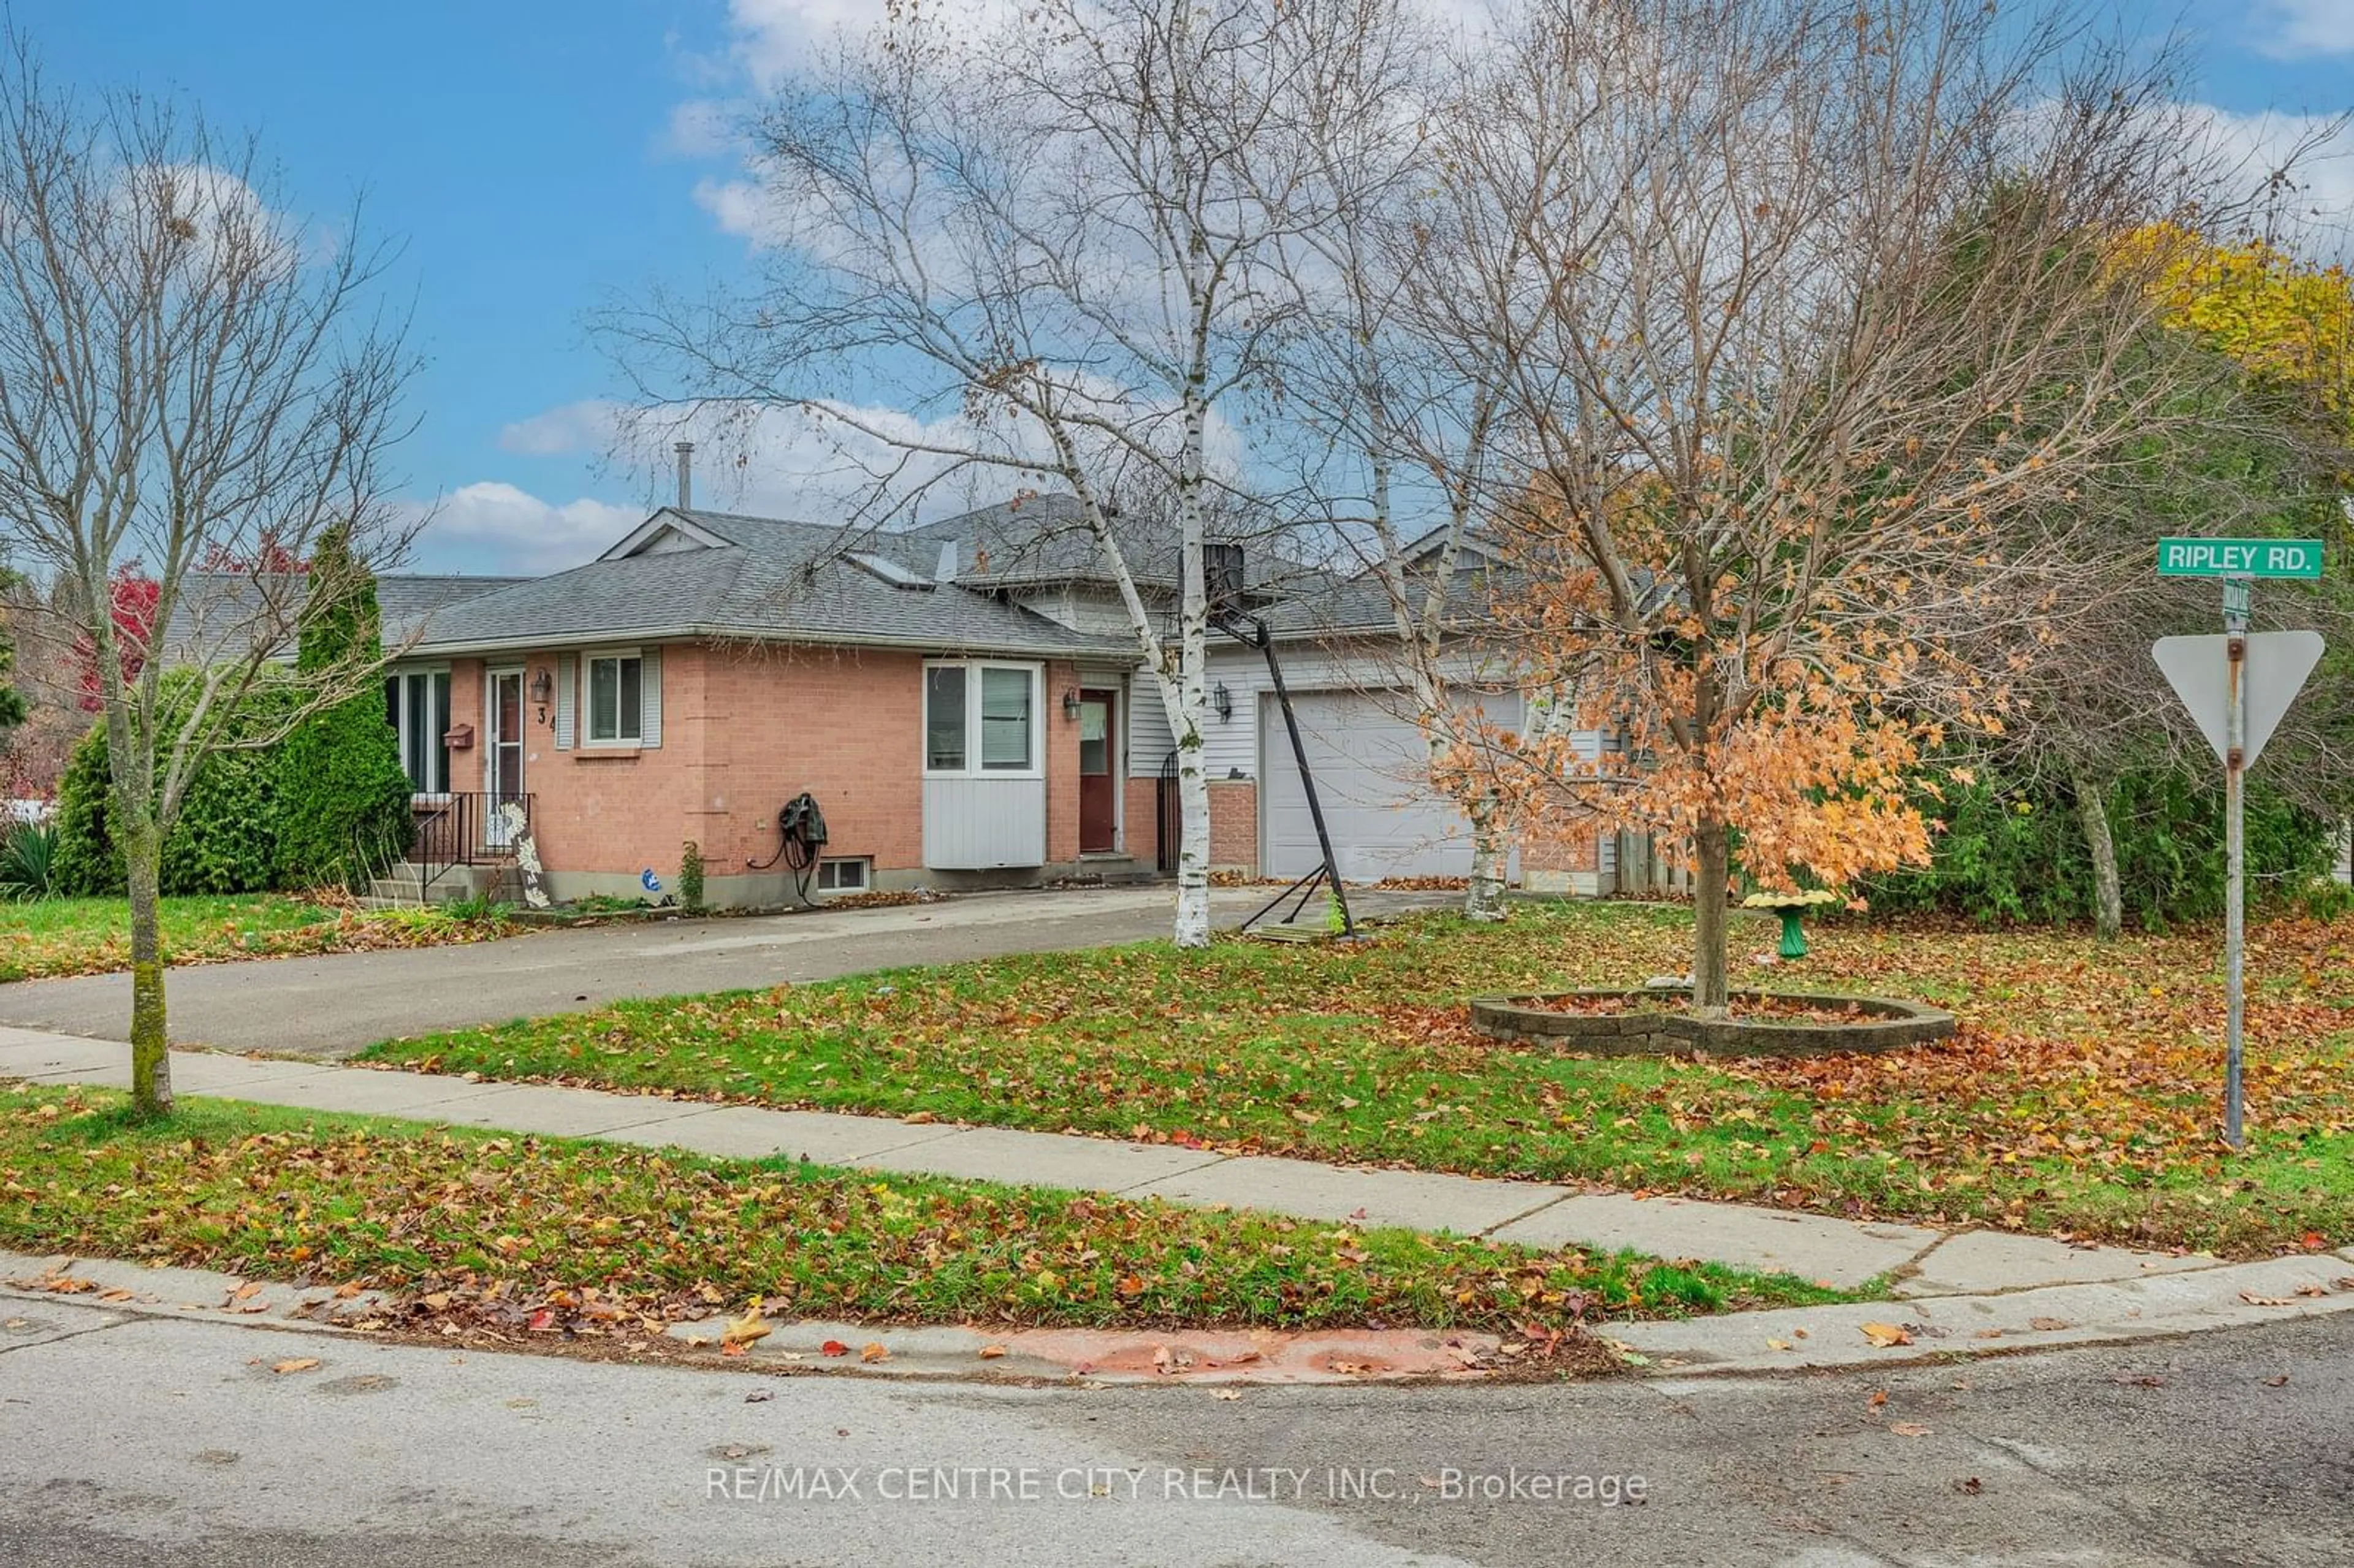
<point x="1373" y="777"/>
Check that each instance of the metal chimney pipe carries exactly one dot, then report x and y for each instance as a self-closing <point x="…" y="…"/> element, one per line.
<point x="685" y="451"/>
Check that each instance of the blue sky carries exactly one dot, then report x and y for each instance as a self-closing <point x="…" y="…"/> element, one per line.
<point x="535" y="158"/>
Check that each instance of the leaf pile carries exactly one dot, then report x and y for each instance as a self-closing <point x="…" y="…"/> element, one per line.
<point x="538" y="1235"/>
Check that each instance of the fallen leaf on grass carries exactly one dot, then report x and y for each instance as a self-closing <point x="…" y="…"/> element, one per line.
<point x="1886" y="1336"/>
<point x="299" y="1363"/>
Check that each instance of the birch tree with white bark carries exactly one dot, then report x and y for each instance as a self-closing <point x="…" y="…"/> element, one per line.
<point x="1046" y="236"/>
<point x="1399" y="371"/>
<point x="195" y="387"/>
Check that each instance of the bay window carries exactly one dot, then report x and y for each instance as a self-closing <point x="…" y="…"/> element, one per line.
<point x="982" y="719"/>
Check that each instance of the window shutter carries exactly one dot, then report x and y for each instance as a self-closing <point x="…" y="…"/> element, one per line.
<point x="566" y="695"/>
<point x="650" y="698"/>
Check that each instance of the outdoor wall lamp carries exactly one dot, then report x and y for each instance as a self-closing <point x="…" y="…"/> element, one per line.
<point x="1071" y="702"/>
<point x="1224" y="700"/>
<point x="542" y="689"/>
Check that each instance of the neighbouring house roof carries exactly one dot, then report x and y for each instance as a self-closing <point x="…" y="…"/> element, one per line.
<point x="695" y="574"/>
<point x="1043" y="541"/>
<point x="220" y="614"/>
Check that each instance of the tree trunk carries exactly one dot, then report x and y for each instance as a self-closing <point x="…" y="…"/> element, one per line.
<point x="1193" y="848"/>
<point x="1484" y="898"/>
<point x="2093" y="814"/>
<point x="1711" y="868"/>
<point x="150" y="1059"/>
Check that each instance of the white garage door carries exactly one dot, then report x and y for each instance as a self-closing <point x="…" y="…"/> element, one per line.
<point x="1373" y="777"/>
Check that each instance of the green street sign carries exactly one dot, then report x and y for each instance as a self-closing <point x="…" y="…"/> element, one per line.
<point x="2239" y="558"/>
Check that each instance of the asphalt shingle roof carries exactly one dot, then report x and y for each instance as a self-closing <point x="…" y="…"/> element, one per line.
<point x="772" y="580"/>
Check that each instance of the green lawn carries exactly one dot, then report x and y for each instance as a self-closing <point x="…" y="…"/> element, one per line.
<point x="2081" y="1097"/>
<point x="500" y="1227"/>
<point x="93" y="935"/>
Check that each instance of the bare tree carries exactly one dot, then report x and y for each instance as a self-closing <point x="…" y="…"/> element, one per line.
<point x="1392" y="403"/>
<point x="1799" y="311"/>
<point x="1050" y="238"/>
<point x="190" y="388"/>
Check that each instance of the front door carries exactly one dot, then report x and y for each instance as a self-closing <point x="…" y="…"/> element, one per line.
<point x="1098" y="774"/>
<point x="505" y="753"/>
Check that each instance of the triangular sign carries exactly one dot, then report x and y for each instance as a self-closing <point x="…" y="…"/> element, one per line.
<point x="2199" y="669"/>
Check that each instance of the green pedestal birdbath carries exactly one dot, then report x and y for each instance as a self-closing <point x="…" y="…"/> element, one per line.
<point x="1791" y="906"/>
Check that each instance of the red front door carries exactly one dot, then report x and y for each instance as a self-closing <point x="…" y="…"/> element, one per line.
<point x="1098" y="775"/>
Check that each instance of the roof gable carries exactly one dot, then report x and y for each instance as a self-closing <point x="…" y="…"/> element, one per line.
<point x="667" y="531"/>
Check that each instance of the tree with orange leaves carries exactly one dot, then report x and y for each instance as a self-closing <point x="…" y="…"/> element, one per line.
<point x="1812" y="387"/>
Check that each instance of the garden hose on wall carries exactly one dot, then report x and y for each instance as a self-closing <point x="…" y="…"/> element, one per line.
<point x="801" y="835"/>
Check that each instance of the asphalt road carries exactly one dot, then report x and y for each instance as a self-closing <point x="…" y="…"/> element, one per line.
<point x="174" y="1442"/>
<point x="334" y="1005"/>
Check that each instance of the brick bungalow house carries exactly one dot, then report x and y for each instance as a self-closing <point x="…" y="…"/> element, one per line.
<point x="963" y="700"/>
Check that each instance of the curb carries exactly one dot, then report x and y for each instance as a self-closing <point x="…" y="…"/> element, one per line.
<point x="1903" y="1332"/>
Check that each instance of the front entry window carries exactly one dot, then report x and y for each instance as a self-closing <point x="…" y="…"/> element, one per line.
<point x="417" y="706"/>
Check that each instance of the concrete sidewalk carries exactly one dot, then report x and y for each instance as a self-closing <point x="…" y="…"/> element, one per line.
<point x="2091" y="1289"/>
<point x="337" y="1004"/>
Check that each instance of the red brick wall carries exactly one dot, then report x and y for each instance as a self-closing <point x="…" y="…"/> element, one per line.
<point x="744" y="730"/>
<point x="1233" y="825"/>
<point x="1062" y="767"/>
<point x="1140" y="819"/>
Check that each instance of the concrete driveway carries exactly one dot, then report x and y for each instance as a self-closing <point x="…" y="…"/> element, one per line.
<point x="334" y="1005"/>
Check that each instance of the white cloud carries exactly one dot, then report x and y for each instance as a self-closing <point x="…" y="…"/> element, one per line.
<point x="2310" y="27"/>
<point x="702" y="127"/>
<point x="493" y="526"/>
<point x="585" y="427"/>
<point x="2314" y="214"/>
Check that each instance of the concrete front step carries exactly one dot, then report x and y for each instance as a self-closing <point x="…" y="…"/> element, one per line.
<point x="399" y="887"/>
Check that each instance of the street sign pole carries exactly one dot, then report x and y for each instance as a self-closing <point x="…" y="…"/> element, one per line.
<point x="2264" y="672"/>
<point x="2236" y="877"/>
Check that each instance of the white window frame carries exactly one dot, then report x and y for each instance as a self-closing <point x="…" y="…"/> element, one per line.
<point x="588" y="721"/>
<point x="973" y="768"/>
<point x="835" y="864"/>
<point x="434" y="751"/>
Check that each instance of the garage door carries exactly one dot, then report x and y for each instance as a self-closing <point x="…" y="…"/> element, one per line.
<point x="1372" y="776"/>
